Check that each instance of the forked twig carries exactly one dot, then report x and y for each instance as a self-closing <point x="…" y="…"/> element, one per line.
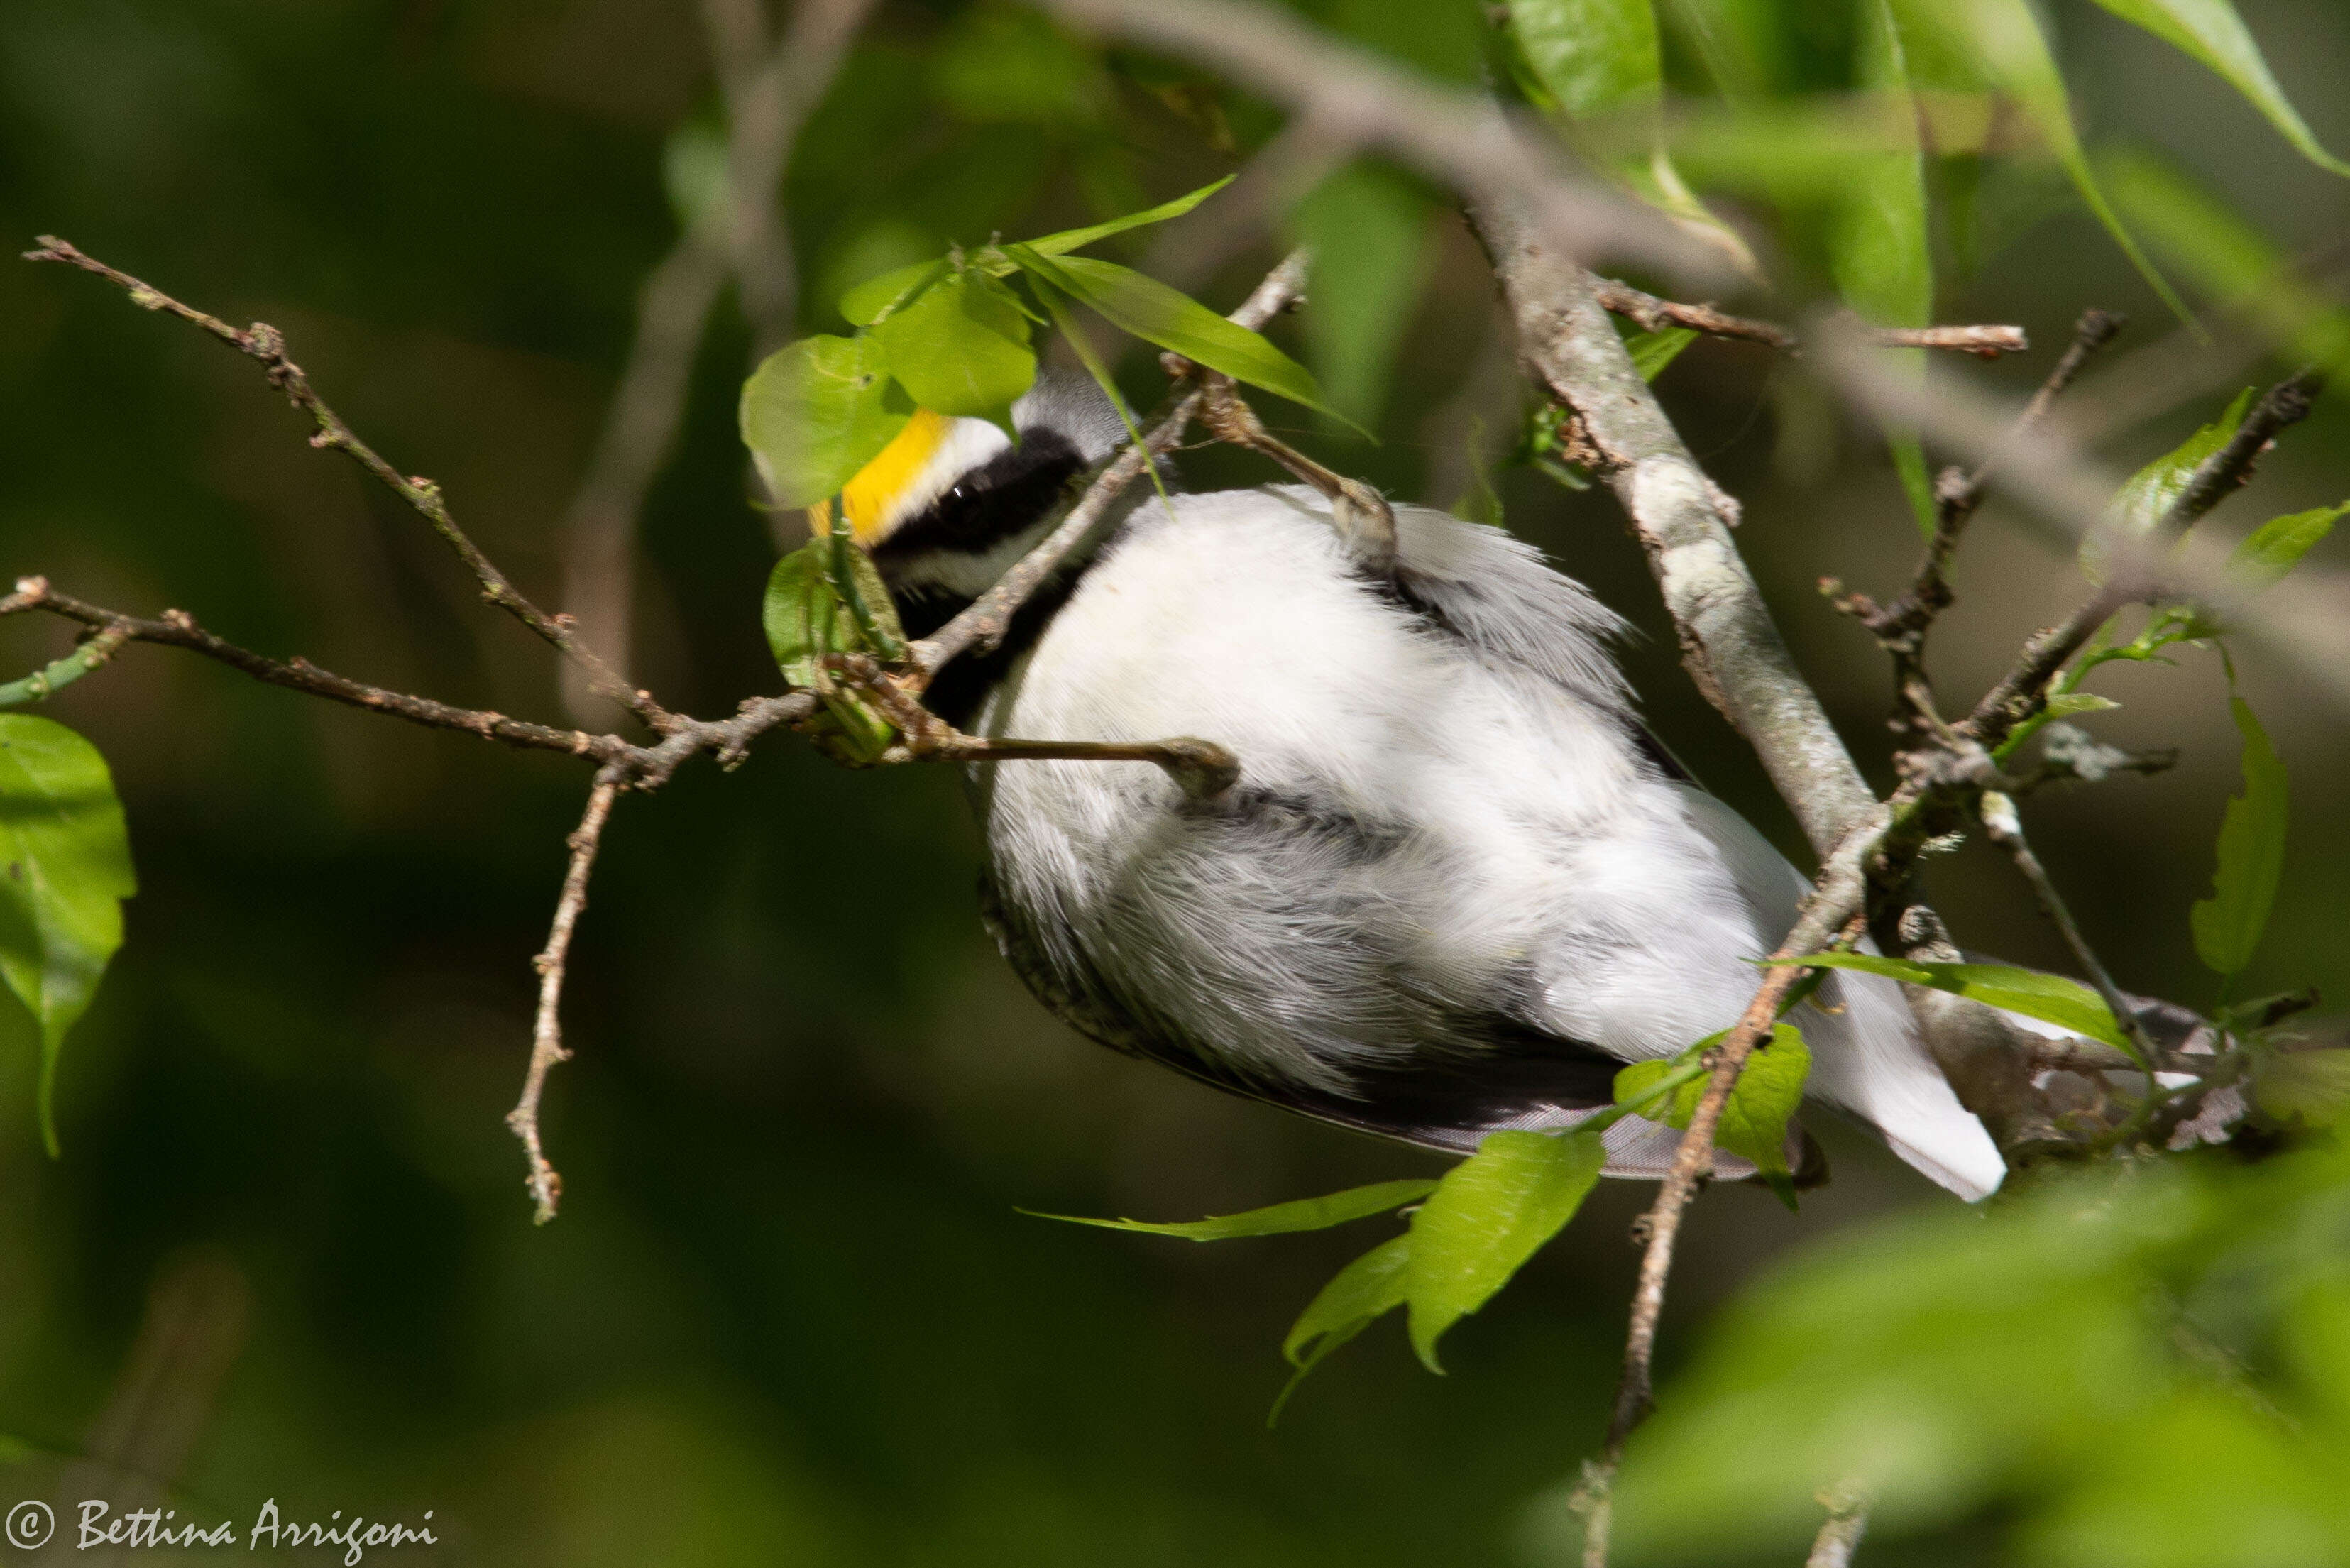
<point x="266" y="344"/>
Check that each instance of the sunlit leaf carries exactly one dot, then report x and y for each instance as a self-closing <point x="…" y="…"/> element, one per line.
<point x="2277" y="546"/>
<point x="1764" y="1099"/>
<point x="1653" y="351"/>
<point x="1879" y="245"/>
<point x="2051" y="998"/>
<point x="2250" y="851"/>
<point x="807" y="614"/>
<point x="2146" y="499"/>
<point x="2309" y="1086"/>
<point x="1592" y="57"/>
<point x="2212" y="32"/>
<point x="2066" y="704"/>
<point x="1279" y="1219"/>
<point x="1070" y="240"/>
<point x="870" y="301"/>
<point x="1373" y="245"/>
<point x="2003" y="41"/>
<point x="65" y="869"/>
<point x="816" y="411"/>
<point x="1363" y="1291"/>
<point x="960" y="349"/>
<point x="1487" y="1216"/>
<point x="1155" y="312"/>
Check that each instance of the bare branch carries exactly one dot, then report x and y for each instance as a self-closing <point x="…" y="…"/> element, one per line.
<point x="1458" y="138"/>
<point x="267" y="344"/>
<point x="1729" y="642"/>
<point x="1984" y="342"/>
<point x="1655" y="314"/>
<point x="983" y="622"/>
<point x="645" y="767"/>
<point x="546" y="1047"/>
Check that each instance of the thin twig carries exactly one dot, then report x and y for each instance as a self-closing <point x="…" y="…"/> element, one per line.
<point x="1840" y="1532"/>
<point x="2005" y="828"/>
<point x="266" y="344"/>
<point x="984" y="623"/>
<point x="1655" y="313"/>
<point x="1984" y="342"/>
<point x="546" y="1047"/>
<point x="2022" y="691"/>
<point x="647" y="767"/>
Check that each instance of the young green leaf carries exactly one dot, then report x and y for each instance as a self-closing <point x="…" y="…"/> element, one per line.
<point x="1753" y="1125"/>
<point x="891" y="291"/>
<point x="2066" y="704"/>
<point x="816" y="411"/>
<point x="2277" y="546"/>
<point x="65" y="869"/>
<point x="1592" y="57"/>
<point x="806" y="615"/>
<point x="1357" y="1296"/>
<point x="2212" y="32"/>
<point x="1487" y="1216"/>
<point x="1156" y="313"/>
<point x="2004" y="43"/>
<point x="1879" y="245"/>
<point x="2308" y="1087"/>
<point x="1070" y="240"/>
<point x="1652" y="352"/>
<point x="2148" y="495"/>
<point x="2052" y="998"/>
<point x="2228" y="924"/>
<point x="960" y="349"/>
<point x="1277" y="1220"/>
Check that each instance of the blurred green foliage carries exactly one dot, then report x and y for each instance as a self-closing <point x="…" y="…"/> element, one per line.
<point x="790" y="1312"/>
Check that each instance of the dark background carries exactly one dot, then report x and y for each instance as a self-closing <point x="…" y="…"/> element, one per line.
<point x="789" y="1313"/>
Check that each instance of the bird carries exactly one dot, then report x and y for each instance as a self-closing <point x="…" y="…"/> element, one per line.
<point x="1457" y="884"/>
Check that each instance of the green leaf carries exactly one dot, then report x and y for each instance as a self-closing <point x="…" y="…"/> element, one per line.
<point x="961" y="348"/>
<point x="2001" y="41"/>
<point x="1156" y="313"/>
<point x="1279" y="1219"/>
<point x="1652" y="352"/>
<point x="694" y="173"/>
<point x="876" y="297"/>
<point x="2233" y="262"/>
<point x="2051" y="998"/>
<point x="65" y="869"/>
<point x="807" y="614"/>
<point x="1488" y="1215"/>
<point x="1070" y="240"/>
<point x="1592" y="57"/>
<point x="2277" y="546"/>
<point x="1372" y="245"/>
<point x="816" y="411"/>
<point x="2311" y="1087"/>
<point x="2141" y="503"/>
<point x="2228" y="924"/>
<point x="2212" y="32"/>
<point x="1753" y="1125"/>
<point x="1879" y="244"/>
<point x="1363" y="1291"/>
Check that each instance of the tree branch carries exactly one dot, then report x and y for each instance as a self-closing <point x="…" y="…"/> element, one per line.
<point x="546" y="1047"/>
<point x="265" y="343"/>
